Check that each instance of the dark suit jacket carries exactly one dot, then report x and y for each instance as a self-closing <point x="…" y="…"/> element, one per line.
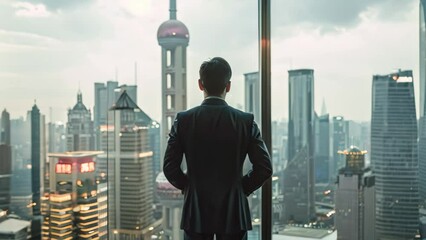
<point x="215" y="139"/>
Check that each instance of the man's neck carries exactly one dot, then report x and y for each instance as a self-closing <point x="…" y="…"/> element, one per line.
<point x="206" y="96"/>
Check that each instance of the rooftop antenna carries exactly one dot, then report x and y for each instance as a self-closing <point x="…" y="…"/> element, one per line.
<point x="172" y="9"/>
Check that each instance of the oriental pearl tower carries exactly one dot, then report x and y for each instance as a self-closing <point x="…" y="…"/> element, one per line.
<point x="173" y="37"/>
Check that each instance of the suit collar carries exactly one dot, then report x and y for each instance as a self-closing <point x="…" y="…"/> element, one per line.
<point x="214" y="101"/>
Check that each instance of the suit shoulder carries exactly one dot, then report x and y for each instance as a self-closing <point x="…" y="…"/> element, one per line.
<point x="244" y="115"/>
<point x="186" y="113"/>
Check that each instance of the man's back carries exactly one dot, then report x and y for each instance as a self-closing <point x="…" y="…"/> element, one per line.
<point x="215" y="140"/>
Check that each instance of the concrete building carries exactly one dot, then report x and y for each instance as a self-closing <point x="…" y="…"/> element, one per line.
<point x="422" y="117"/>
<point x="80" y="130"/>
<point x="355" y="198"/>
<point x="70" y="210"/>
<point x="127" y="166"/>
<point x="299" y="177"/>
<point x="11" y="228"/>
<point x="394" y="155"/>
<point x="57" y="141"/>
<point x="252" y="95"/>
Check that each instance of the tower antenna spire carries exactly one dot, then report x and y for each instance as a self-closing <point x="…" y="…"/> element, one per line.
<point x="172" y="9"/>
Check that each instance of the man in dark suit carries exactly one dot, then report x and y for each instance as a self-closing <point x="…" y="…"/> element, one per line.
<point x="215" y="139"/>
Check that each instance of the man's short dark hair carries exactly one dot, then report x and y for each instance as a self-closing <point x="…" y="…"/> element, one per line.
<point x="214" y="75"/>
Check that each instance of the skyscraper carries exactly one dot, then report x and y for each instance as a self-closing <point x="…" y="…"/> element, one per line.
<point x="394" y="155"/>
<point x="339" y="143"/>
<point x="355" y="198"/>
<point x="252" y="95"/>
<point x="173" y="37"/>
<point x="36" y="170"/>
<point x="5" y="161"/>
<point x="299" y="182"/>
<point x="422" y="119"/>
<point x="80" y="130"/>
<point x="322" y="149"/>
<point x="129" y="163"/>
<point x="71" y="206"/>
<point x="5" y="176"/>
<point x="5" y="128"/>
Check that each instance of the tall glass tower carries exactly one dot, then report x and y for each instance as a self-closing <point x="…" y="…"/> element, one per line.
<point x="173" y="37"/>
<point x="299" y="181"/>
<point x="394" y="155"/>
<point x="422" y="121"/>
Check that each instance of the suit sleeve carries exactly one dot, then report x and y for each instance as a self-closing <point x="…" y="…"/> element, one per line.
<point x="173" y="159"/>
<point x="259" y="157"/>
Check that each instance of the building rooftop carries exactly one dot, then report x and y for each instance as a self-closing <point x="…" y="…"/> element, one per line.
<point x="79" y="154"/>
<point x="12" y="226"/>
<point x="302" y="233"/>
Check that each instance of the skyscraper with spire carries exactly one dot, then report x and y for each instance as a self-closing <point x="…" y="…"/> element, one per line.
<point x="80" y="130"/>
<point x="422" y="117"/>
<point x="173" y="37"/>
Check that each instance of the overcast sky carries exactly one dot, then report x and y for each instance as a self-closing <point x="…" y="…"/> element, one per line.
<point x="50" y="48"/>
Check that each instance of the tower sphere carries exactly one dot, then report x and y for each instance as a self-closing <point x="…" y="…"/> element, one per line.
<point x="173" y="29"/>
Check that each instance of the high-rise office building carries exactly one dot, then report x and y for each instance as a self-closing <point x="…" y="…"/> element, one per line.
<point x="71" y="207"/>
<point x="5" y="176"/>
<point x="422" y="117"/>
<point x="80" y="130"/>
<point x="394" y="155"/>
<point x="355" y="198"/>
<point x="37" y="168"/>
<point x="5" y="128"/>
<point x="252" y="95"/>
<point x="322" y="149"/>
<point x="339" y="142"/>
<point x="173" y="37"/>
<point x="127" y="163"/>
<point x="5" y="161"/>
<point x="299" y="178"/>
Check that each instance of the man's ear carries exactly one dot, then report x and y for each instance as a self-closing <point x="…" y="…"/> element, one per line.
<point x="228" y="86"/>
<point x="200" y="85"/>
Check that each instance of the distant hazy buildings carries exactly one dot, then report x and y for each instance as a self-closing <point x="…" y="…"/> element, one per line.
<point x="5" y="128"/>
<point x="322" y="149"/>
<point x="80" y="130"/>
<point x="355" y="198"/>
<point x="5" y="176"/>
<point x="252" y="95"/>
<point x="105" y="96"/>
<point x="57" y="137"/>
<point x="422" y="119"/>
<point x="394" y="155"/>
<point x="299" y="201"/>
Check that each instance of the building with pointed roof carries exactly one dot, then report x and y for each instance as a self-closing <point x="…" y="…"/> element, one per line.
<point x="80" y="130"/>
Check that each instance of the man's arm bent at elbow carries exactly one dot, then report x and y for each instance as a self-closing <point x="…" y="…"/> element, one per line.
<point x="261" y="160"/>
<point x="173" y="159"/>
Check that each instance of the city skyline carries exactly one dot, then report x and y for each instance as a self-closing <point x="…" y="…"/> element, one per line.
<point x="125" y="32"/>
